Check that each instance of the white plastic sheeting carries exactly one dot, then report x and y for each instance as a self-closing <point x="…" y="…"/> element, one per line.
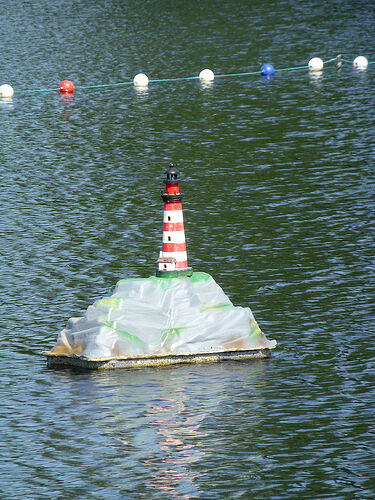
<point x="157" y="316"/>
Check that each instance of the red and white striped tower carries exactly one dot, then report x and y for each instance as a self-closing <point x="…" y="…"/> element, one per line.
<point x="173" y="257"/>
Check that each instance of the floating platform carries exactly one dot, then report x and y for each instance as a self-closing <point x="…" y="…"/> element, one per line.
<point x="73" y="361"/>
<point x="159" y="321"/>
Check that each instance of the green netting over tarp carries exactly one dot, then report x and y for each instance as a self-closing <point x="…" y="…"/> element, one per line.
<point x="157" y="316"/>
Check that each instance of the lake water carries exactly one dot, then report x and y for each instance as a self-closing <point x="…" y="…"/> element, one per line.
<point x="279" y="207"/>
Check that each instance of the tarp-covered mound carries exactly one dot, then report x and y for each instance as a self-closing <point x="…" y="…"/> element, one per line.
<point x="161" y="316"/>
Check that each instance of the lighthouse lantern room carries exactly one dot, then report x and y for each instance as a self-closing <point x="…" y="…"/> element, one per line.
<point x="173" y="257"/>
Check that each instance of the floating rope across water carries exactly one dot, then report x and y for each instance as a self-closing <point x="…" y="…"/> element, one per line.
<point x="141" y="80"/>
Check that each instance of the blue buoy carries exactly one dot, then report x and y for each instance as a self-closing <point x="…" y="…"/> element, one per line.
<point x="267" y="69"/>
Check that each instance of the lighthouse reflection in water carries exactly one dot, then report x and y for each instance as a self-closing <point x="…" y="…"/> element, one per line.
<point x="178" y="441"/>
<point x="173" y="446"/>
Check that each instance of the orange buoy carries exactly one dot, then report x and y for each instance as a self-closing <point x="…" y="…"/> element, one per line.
<point x="66" y="86"/>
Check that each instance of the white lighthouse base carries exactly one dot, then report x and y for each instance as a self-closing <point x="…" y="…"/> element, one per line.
<point x="158" y="321"/>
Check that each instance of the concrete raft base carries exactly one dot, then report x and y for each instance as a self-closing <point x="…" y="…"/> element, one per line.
<point x="72" y="360"/>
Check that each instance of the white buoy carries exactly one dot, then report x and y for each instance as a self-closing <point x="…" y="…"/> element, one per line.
<point x="207" y="75"/>
<point x="140" y="80"/>
<point x="316" y="64"/>
<point x="360" y="62"/>
<point x="6" y="90"/>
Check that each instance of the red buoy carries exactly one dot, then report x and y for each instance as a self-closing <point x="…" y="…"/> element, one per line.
<point x="66" y="86"/>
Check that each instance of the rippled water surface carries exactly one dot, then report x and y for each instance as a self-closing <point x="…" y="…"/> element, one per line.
<point x="279" y="208"/>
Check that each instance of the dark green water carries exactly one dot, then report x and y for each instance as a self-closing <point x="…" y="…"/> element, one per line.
<point x="279" y="208"/>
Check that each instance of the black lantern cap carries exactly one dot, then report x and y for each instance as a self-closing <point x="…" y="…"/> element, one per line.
<point x="172" y="175"/>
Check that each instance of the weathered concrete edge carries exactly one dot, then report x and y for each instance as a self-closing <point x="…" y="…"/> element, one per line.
<point x="72" y="360"/>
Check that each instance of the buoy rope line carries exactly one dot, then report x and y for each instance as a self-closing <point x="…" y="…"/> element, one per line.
<point x="348" y="61"/>
<point x="315" y="64"/>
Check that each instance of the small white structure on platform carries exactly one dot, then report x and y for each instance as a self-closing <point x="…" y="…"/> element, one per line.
<point x="166" y="263"/>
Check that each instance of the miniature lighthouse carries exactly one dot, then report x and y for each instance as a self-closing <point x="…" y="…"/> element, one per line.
<point x="173" y="257"/>
<point x="162" y="320"/>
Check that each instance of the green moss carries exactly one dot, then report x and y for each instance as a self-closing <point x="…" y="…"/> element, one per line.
<point x="169" y="333"/>
<point x="216" y="307"/>
<point x="198" y="277"/>
<point x="254" y="328"/>
<point x="132" y="338"/>
<point x="166" y="281"/>
<point x="177" y="273"/>
<point x="113" y="302"/>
